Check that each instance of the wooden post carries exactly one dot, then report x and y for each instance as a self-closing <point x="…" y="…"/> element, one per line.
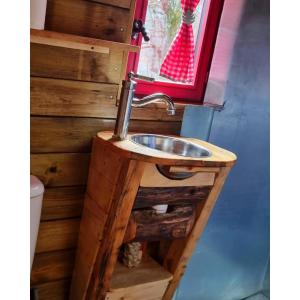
<point x="111" y="189"/>
<point x="181" y="250"/>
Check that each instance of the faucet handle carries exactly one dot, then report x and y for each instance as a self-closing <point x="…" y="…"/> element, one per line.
<point x="132" y="75"/>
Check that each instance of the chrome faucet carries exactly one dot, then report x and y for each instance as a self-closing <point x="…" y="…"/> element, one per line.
<point x="127" y="100"/>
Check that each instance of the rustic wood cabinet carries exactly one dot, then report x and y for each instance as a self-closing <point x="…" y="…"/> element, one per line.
<point x="123" y="179"/>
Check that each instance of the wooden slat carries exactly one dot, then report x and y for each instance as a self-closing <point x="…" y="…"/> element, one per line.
<point x="127" y="186"/>
<point x="91" y="232"/>
<point x="88" y="19"/>
<point x="153" y="178"/>
<point x="150" y="196"/>
<point x="51" y="266"/>
<point x="119" y="3"/>
<point x="75" y="134"/>
<point x="64" y="63"/>
<point x="180" y="251"/>
<point x="65" y="169"/>
<point x="191" y="169"/>
<point x="56" y="97"/>
<point x="54" y="290"/>
<point x="72" y="41"/>
<point x="147" y="281"/>
<point x="57" y="235"/>
<point x="62" y="202"/>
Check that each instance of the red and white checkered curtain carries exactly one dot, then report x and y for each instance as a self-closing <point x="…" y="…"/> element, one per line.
<point x="178" y="64"/>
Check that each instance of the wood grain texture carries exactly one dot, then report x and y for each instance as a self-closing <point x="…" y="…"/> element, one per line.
<point x="128" y="182"/>
<point x="150" y="196"/>
<point x="88" y="19"/>
<point x="91" y="232"/>
<point x="57" y="235"/>
<point x="174" y="224"/>
<point x="63" y="169"/>
<point x="75" y="134"/>
<point x="147" y="281"/>
<point x="72" y="41"/>
<point x="51" y="266"/>
<point x="119" y="3"/>
<point x="64" y="63"/>
<point x="54" y="290"/>
<point x="180" y="251"/>
<point x="100" y="189"/>
<point x="57" y="97"/>
<point x="153" y="178"/>
<point x="219" y="157"/>
<point x="62" y="203"/>
<point x="96" y="258"/>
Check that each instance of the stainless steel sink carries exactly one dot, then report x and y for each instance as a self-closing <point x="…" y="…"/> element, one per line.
<point x="170" y="145"/>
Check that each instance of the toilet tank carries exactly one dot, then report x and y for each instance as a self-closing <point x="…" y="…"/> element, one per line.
<point x="36" y="200"/>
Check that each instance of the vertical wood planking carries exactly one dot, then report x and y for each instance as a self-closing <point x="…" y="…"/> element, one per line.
<point x="97" y="256"/>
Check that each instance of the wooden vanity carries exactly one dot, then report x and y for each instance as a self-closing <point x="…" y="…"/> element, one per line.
<point x="123" y="181"/>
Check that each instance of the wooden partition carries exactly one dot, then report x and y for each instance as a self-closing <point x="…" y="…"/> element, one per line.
<point x="73" y="96"/>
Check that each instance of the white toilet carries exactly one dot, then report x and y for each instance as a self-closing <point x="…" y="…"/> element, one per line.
<point x="36" y="200"/>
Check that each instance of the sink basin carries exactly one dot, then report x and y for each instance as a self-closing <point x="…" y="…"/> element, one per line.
<point x="170" y="145"/>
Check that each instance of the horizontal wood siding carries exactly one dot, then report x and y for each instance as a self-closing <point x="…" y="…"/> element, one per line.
<point x="62" y="203"/>
<point x="55" y="97"/>
<point x="88" y="18"/>
<point x="54" y="290"/>
<point x="65" y="63"/>
<point x="51" y="266"/>
<point x="73" y="96"/>
<point x="119" y="3"/>
<point x="57" y="235"/>
<point x="75" y="134"/>
<point x="60" y="169"/>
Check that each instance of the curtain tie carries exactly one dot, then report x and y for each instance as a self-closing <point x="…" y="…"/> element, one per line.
<point x="188" y="17"/>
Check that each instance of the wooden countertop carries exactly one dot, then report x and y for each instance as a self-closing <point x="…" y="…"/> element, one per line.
<point x="220" y="157"/>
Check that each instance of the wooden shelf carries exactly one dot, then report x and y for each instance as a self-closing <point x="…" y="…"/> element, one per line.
<point x="59" y="39"/>
<point x="149" y="278"/>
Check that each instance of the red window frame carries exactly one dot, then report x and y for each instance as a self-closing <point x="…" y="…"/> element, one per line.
<point x="187" y="93"/>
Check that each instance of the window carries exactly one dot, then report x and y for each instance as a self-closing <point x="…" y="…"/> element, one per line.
<point x="162" y="20"/>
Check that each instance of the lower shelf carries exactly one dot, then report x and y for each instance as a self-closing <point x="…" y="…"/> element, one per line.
<point x="148" y="281"/>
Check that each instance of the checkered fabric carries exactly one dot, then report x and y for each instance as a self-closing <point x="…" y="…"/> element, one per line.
<point x="178" y="64"/>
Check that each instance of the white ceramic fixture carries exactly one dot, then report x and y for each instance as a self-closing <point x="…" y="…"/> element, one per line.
<point x="36" y="200"/>
<point x="37" y="13"/>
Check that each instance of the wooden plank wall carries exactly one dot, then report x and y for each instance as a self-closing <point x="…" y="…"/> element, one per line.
<point x="73" y="96"/>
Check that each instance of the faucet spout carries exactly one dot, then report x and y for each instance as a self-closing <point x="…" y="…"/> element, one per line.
<point x="127" y="100"/>
<point x="158" y="97"/>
